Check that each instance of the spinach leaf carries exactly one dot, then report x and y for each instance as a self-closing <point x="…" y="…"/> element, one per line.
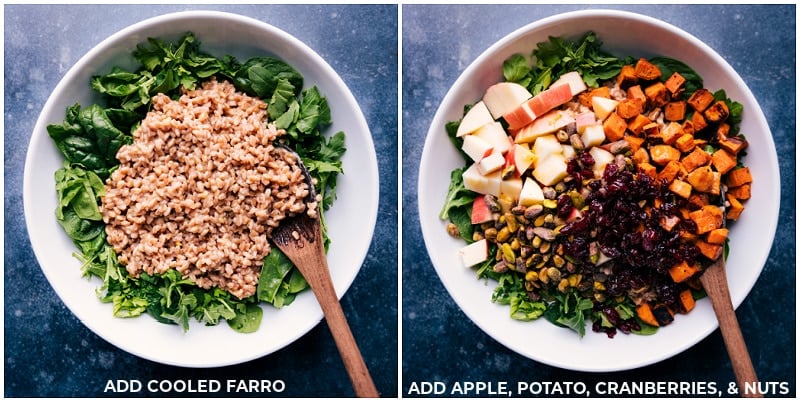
<point x="87" y="137"/>
<point x="457" y="194"/>
<point x="247" y="319"/>
<point x="668" y="66"/>
<point x="275" y="269"/>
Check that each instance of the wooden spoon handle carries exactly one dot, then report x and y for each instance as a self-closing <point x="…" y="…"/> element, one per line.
<point x="717" y="289"/>
<point x="345" y="342"/>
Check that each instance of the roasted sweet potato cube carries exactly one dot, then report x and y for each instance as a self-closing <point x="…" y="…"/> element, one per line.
<point x="698" y="122"/>
<point x="614" y="127"/>
<point x="657" y="94"/>
<point x="723" y="129"/>
<point x="740" y="192"/>
<point x="646" y="70"/>
<point x="688" y="127"/>
<point x="602" y="91"/>
<point x="717" y="236"/>
<point x="700" y="99"/>
<point x="635" y="142"/>
<point x="684" y="143"/>
<point x="687" y="300"/>
<point x="697" y="201"/>
<point x="640" y="156"/>
<point x="636" y="92"/>
<point x="733" y="144"/>
<point x="585" y="98"/>
<point x="697" y="158"/>
<point x="670" y="171"/>
<point x="629" y="108"/>
<point x="703" y="179"/>
<point x="735" y="208"/>
<point x="738" y="177"/>
<point x="717" y="112"/>
<point x="647" y="168"/>
<point x="683" y="271"/>
<point x="627" y="76"/>
<point x="662" y="154"/>
<point x="723" y="161"/>
<point x="638" y="123"/>
<point x="711" y="251"/>
<point x="651" y="129"/>
<point x="675" y="84"/>
<point x="681" y="188"/>
<point x="675" y="111"/>
<point x="671" y="133"/>
<point x="707" y="218"/>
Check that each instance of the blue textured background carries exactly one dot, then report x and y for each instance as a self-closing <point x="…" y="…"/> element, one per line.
<point x="48" y="352"/>
<point x="441" y="344"/>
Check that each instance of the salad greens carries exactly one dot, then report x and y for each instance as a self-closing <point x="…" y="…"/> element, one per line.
<point x="558" y="56"/>
<point x="89" y="138"/>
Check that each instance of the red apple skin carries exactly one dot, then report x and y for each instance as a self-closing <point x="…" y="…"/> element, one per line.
<point x="538" y="105"/>
<point x="480" y="211"/>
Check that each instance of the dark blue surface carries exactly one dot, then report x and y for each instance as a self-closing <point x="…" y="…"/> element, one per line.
<point x="441" y="344"/>
<point x="49" y="353"/>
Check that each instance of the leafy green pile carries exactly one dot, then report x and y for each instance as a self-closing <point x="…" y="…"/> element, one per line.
<point x="90" y="137"/>
<point x="558" y="56"/>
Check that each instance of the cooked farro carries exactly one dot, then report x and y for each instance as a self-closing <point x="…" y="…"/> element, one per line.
<point x="200" y="189"/>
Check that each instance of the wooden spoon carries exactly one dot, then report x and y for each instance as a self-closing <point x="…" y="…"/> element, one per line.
<point x="715" y="283"/>
<point x="300" y="238"/>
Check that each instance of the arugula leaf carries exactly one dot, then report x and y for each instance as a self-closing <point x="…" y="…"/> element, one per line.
<point x="510" y="291"/>
<point x="570" y="311"/>
<point x="558" y="56"/>
<point x="516" y="69"/>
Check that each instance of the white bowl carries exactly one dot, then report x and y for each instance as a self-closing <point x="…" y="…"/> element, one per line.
<point x="351" y="220"/>
<point x="622" y="34"/>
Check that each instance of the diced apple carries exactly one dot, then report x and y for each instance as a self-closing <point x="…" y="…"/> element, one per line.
<point x="575" y="81"/>
<point x="549" y="99"/>
<point x="593" y="136"/>
<point x="491" y="163"/>
<point x="475" y="147"/>
<point x="479" y="183"/>
<point x="601" y="159"/>
<point x="476" y="117"/>
<point x="544" y="125"/>
<point x="531" y="193"/>
<point x="537" y="106"/>
<point x="480" y="211"/>
<point x="523" y="158"/>
<point x="494" y="134"/>
<point x="603" y="106"/>
<point x="568" y="151"/>
<point x="511" y="188"/>
<point x="583" y="120"/>
<point x="503" y="97"/>
<point x="551" y="170"/>
<point x="544" y="147"/>
<point x="474" y="253"/>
